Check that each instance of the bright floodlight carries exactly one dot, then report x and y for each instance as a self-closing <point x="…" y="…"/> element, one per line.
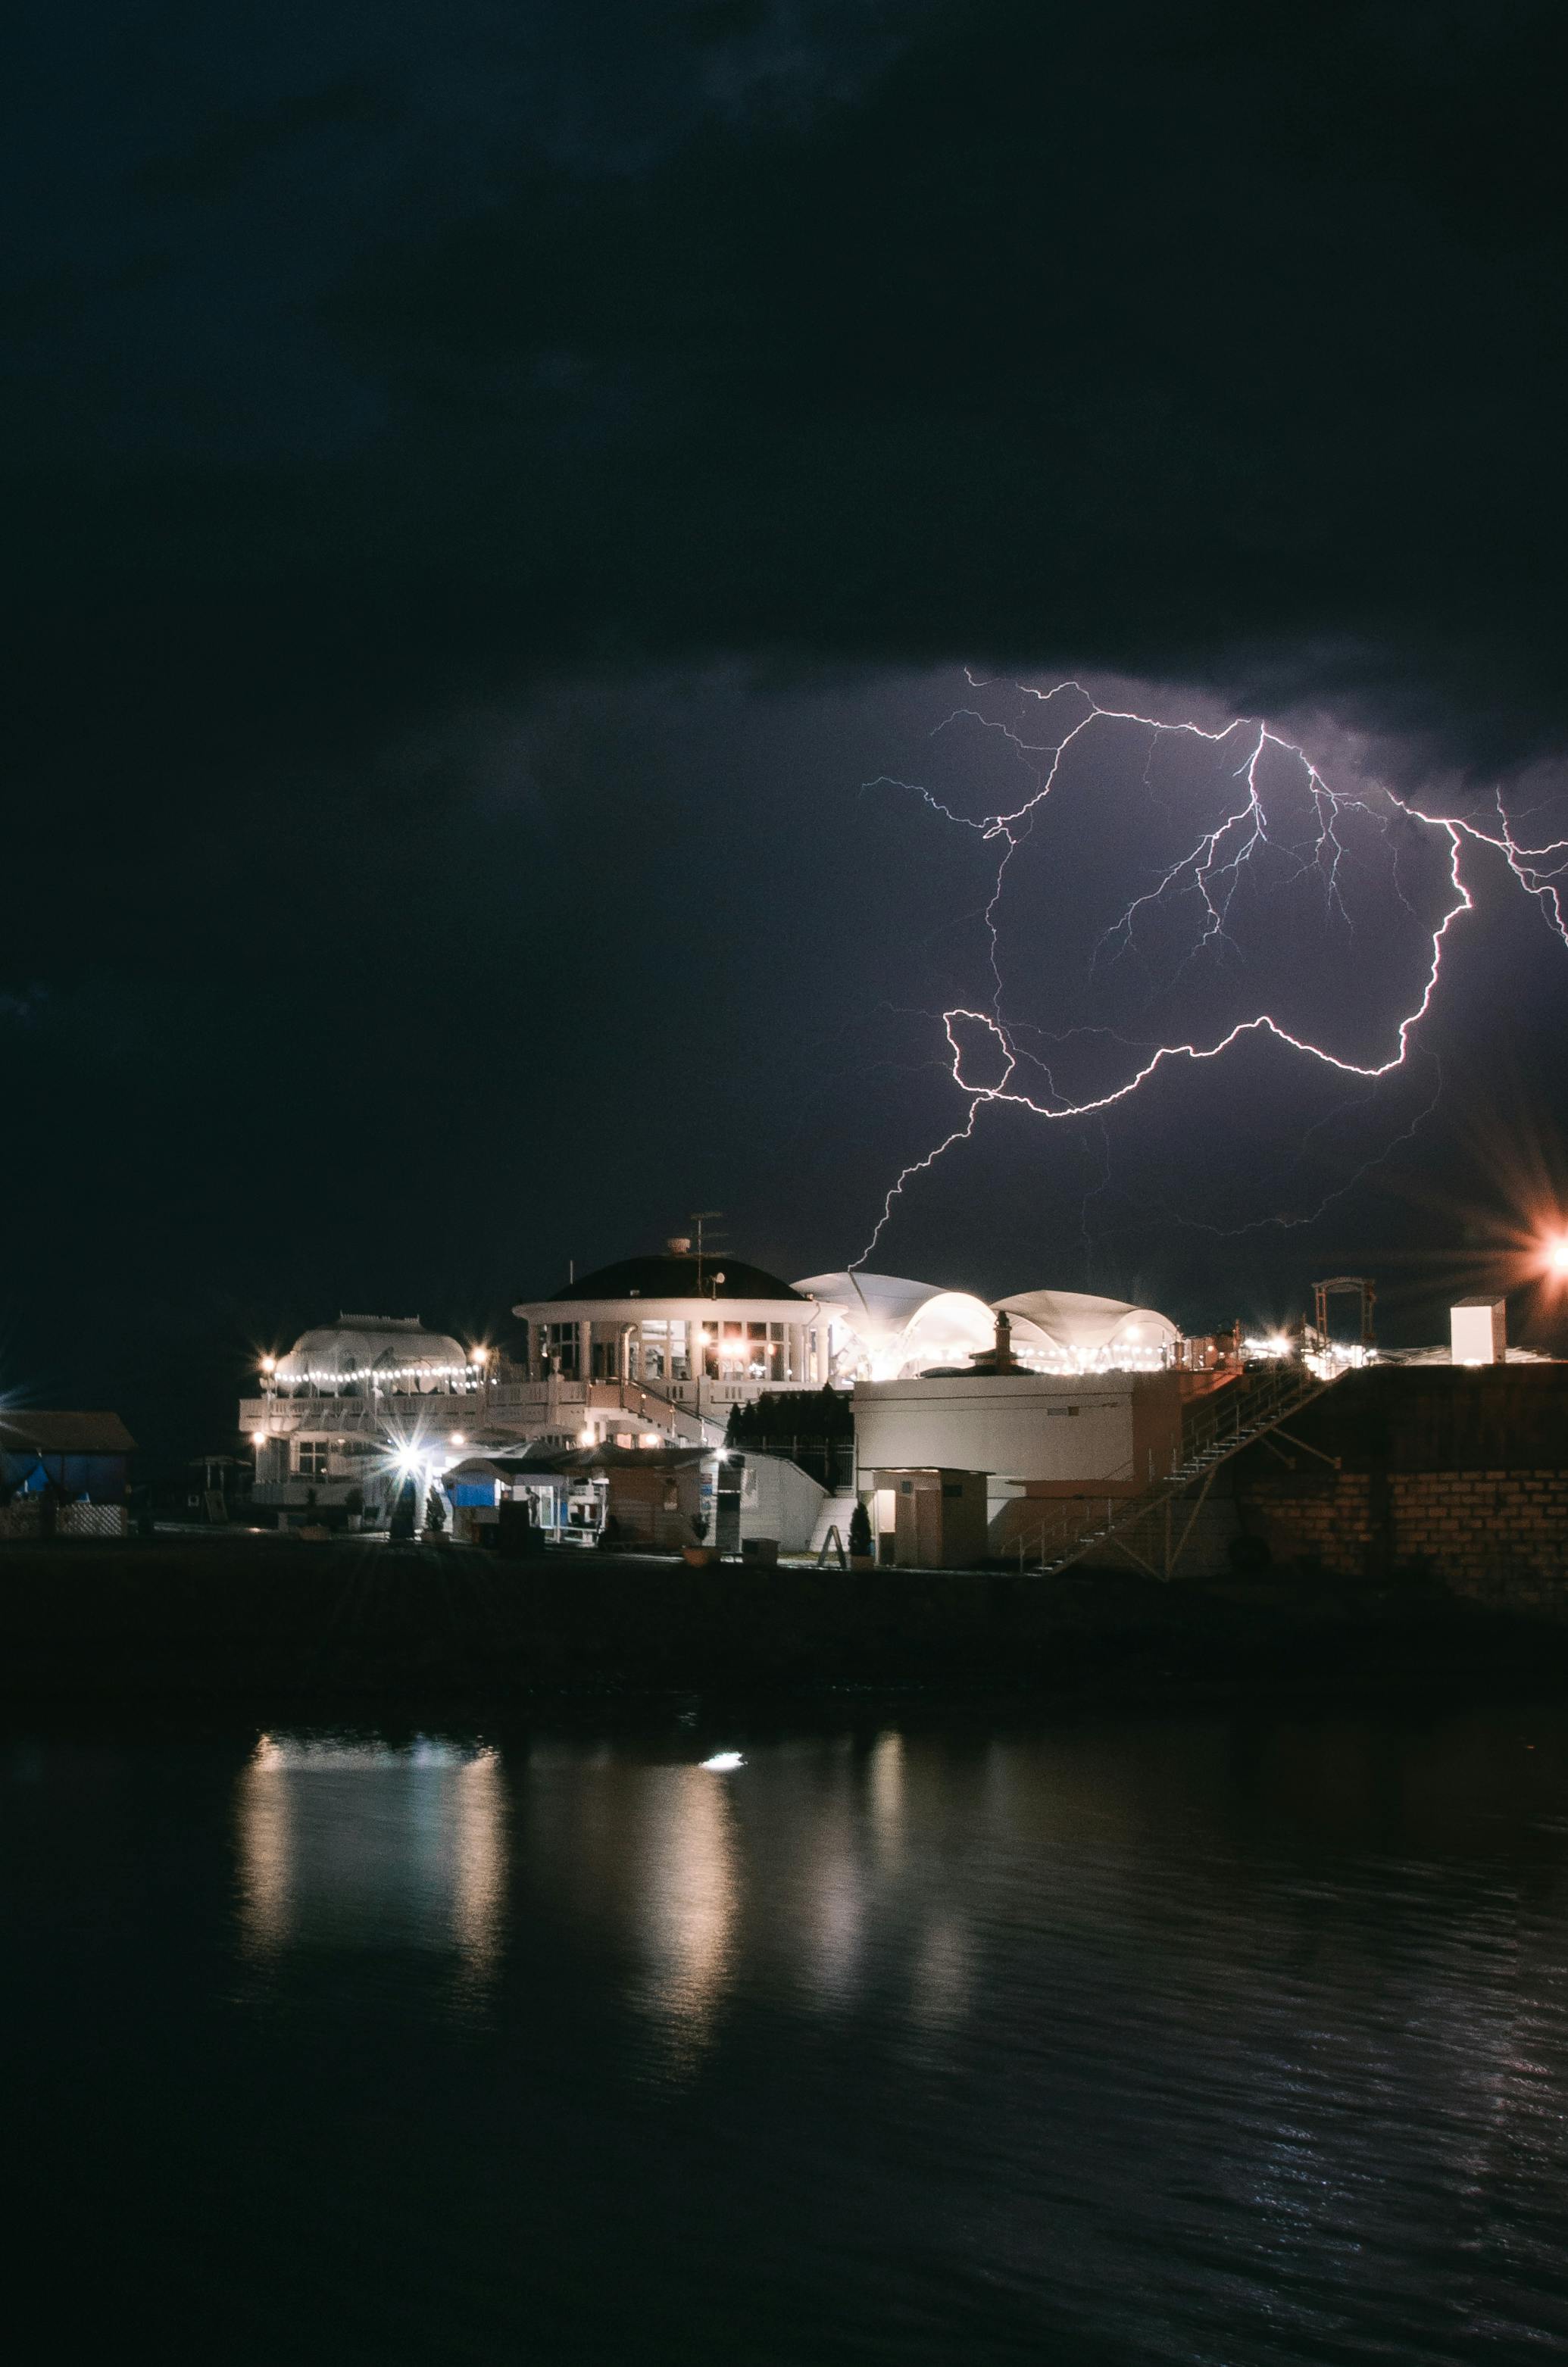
<point x="1557" y="1256"/>
<point x="723" y="1762"/>
<point x="258" y="1438"/>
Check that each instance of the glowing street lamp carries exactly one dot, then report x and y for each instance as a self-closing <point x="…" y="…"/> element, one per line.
<point x="1557" y="1258"/>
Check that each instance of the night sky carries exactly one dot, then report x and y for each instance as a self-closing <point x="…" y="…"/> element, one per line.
<point x="488" y="487"/>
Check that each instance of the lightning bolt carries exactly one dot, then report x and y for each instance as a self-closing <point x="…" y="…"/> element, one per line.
<point x="1209" y="872"/>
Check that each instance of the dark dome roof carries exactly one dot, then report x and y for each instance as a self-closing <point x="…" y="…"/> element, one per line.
<point x="676" y="1278"/>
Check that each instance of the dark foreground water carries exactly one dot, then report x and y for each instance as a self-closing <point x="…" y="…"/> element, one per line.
<point x="913" y="2037"/>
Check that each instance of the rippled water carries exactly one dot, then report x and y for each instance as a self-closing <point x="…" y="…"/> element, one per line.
<point x="923" y="2037"/>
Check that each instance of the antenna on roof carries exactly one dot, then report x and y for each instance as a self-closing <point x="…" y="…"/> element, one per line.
<point x="699" y="1217"/>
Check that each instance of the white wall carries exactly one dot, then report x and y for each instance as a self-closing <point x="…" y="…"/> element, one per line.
<point x="1017" y="1426"/>
<point x="1478" y="1331"/>
<point x="780" y="1501"/>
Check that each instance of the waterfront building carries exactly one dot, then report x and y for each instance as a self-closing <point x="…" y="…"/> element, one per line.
<point x="655" y="1353"/>
<point x="353" y="1406"/>
<point x="659" y="1348"/>
<point x="62" y="1473"/>
<point x="1035" y="1435"/>
<point x="657" y="1498"/>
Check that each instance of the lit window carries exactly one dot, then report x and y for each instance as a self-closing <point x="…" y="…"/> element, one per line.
<point x="313" y="1458"/>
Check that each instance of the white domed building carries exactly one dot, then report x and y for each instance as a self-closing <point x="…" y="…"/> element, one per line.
<point x="333" y="1416"/>
<point x="657" y="1349"/>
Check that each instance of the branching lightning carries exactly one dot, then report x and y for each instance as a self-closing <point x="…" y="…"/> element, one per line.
<point x="1209" y="872"/>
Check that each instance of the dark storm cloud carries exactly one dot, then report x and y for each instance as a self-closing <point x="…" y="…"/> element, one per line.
<point x="1214" y="342"/>
<point x="483" y="486"/>
<point x="216" y="157"/>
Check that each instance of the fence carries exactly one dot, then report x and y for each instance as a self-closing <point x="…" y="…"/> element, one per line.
<point x="24" y="1519"/>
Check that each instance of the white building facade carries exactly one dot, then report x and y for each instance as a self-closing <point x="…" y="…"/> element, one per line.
<point x="656" y="1352"/>
<point x="659" y="1348"/>
<point x="355" y="1406"/>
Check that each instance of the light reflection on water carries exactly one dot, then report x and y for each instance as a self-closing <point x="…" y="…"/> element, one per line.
<point x="687" y="1886"/>
<point x="1226" y="2040"/>
<point x="350" y="1842"/>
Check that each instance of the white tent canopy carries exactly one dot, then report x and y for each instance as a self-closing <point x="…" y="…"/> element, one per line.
<point x="393" y="1349"/>
<point x="1071" y="1329"/>
<point x="884" y="1326"/>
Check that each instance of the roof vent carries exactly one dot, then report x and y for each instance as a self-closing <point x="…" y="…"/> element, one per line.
<point x="679" y="1245"/>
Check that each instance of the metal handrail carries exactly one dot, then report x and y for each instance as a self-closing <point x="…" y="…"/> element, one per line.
<point x="1249" y="1412"/>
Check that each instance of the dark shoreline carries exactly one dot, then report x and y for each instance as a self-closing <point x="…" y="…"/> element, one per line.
<point x="343" y="1628"/>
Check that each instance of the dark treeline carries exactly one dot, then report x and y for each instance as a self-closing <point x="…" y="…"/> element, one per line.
<point x="816" y="1431"/>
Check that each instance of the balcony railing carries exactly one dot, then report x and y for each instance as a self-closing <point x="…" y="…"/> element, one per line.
<point x="359" y="1416"/>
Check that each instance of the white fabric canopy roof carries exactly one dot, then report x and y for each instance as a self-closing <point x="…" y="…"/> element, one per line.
<point x="357" y="1344"/>
<point x="1076" y="1325"/>
<point x="888" y="1325"/>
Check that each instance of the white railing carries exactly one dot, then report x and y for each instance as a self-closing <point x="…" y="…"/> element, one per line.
<point x="346" y="1418"/>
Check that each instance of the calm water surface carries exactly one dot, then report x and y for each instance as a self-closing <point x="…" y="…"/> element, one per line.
<point x="913" y="2037"/>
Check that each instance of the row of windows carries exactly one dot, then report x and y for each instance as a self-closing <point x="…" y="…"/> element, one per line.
<point x="309" y="1458"/>
<point x="662" y="1349"/>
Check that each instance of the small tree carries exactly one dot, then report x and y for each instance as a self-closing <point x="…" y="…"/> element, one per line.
<point x="435" y="1512"/>
<point x="859" y="1529"/>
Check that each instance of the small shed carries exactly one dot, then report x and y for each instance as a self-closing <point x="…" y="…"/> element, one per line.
<point x="935" y="1517"/>
<point x="658" y="1497"/>
<point x="84" y="1458"/>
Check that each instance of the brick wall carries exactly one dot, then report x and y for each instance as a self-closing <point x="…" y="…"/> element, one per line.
<point x="1496" y="1535"/>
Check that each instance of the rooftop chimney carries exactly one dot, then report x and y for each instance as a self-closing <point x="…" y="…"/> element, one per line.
<point x="1478" y="1331"/>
